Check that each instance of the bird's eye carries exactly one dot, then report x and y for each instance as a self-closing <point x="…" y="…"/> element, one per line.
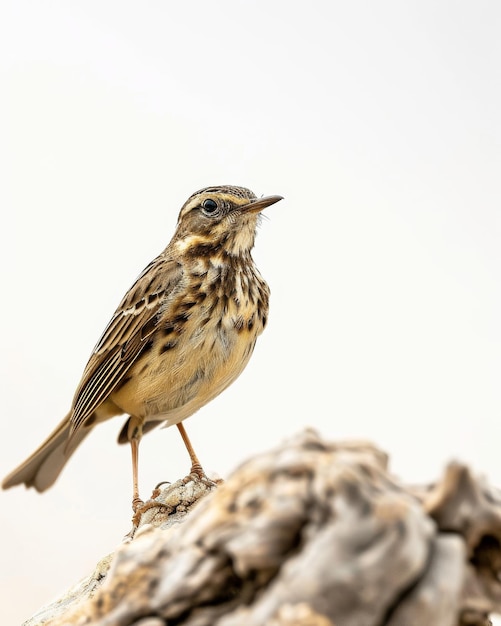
<point x="209" y="207"/>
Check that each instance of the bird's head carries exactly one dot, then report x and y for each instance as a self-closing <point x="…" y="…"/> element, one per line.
<point x="220" y="219"/>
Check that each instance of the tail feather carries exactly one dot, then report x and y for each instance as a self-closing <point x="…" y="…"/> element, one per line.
<point x="43" y="467"/>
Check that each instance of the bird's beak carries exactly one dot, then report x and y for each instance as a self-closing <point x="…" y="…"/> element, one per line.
<point x="257" y="205"/>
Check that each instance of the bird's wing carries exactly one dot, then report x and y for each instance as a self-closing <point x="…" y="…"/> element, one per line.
<point x="125" y="336"/>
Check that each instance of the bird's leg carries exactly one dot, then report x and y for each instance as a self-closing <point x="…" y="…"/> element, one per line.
<point x="196" y="467"/>
<point x="136" y="500"/>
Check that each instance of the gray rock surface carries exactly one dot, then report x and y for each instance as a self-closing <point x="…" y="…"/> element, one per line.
<point x="312" y="533"/>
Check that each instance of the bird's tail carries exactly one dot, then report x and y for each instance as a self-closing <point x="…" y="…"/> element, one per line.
<point x="42" y="468"/>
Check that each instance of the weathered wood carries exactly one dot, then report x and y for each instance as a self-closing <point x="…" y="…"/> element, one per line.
<point x="313" y="534"/>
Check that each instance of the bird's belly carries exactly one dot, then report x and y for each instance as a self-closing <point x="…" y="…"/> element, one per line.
<point x="171" y="382"/>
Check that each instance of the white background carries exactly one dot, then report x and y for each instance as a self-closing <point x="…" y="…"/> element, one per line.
<point x="379" y="122"/>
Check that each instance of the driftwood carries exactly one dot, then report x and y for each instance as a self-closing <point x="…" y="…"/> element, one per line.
<point x="311" y="534"/>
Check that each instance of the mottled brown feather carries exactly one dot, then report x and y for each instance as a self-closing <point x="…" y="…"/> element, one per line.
<point x="125" y="337"/>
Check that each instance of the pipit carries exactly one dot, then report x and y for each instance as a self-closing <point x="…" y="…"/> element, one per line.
<point x="184" y="331"/>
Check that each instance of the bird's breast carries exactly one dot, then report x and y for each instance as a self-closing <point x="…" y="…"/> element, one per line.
<point x="201" y="345"/>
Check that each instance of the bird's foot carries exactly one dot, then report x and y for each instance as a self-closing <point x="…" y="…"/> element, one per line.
<point x="197" y="470"/>
<point x="197" y="474"/>
<point x="137" y="503"/>
<point x="141" y="510"/>
<point x="157" y="491"/>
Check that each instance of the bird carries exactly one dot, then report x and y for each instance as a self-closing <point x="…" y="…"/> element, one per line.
<point x="183" y="332"/>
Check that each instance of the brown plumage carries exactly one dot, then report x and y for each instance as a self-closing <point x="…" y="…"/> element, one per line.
<point x="183" y="332"/>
